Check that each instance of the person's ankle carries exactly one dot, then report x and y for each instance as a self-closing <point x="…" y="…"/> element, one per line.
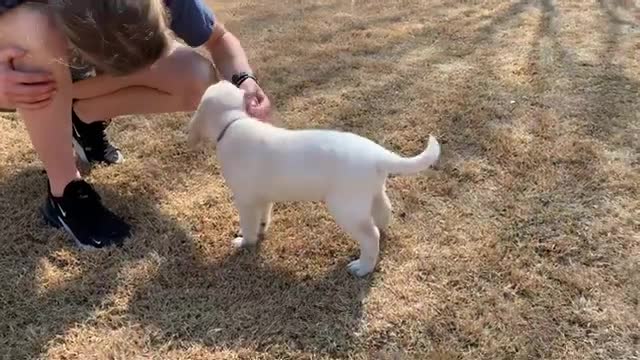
<point x="56" y="188"/>
<point x="79" y="111"/>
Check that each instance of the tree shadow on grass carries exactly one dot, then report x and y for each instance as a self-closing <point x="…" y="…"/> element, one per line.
<point x="554" y="214"/>
<point x="551" y="216"/>
<point x="610" y="7"/>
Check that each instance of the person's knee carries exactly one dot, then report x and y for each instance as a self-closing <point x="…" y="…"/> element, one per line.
<point x="34" y="29"/>
<point x="197" y="75"/>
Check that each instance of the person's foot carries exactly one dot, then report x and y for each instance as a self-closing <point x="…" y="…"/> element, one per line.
<point x="81" y="214"/>
<point x="91" y="143"/>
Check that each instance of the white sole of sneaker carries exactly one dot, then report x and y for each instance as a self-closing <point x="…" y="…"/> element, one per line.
<point x="75" y="239"/>
<point x="82" y="155"/>
<point x="59" y="223"/>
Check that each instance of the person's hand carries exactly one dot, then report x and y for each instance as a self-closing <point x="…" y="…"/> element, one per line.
<point x="258" y="104"/>
<point x="23" y="90"/>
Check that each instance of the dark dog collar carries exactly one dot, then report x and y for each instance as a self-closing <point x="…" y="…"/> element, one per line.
<point x="224" y="130"/>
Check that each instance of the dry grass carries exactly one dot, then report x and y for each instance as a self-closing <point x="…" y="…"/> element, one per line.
<point x="524" y="244"/>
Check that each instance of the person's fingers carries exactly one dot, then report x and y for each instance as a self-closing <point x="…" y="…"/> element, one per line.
<point x="255" y="103"/>
<point x="35" y="105"/>
<point x="28" y="99"/>
<point x="261" y="111"/>
<point x="265" y="105"/>
<point x="21" y="77"/>
<point x="265" y="100"/>
<point x="31" y="90"/>
<point x="258" y="104"/>
<point x="250" y="99"/>
<point x="9" y="53"/>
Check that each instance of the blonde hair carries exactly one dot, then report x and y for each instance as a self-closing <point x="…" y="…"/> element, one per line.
<point x="117" y="37"/>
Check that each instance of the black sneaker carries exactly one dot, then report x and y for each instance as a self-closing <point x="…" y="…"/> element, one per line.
<point x="91" y="143"/>
<point x="81" y="214"/>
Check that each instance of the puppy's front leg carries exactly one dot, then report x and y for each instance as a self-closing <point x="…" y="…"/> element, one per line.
<point x="250" y="214"/>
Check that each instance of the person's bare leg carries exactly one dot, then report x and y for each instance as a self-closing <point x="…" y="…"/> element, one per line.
<point x="104" y="84"/>
<point x="175" y="83"/>
<point x="30" y="28"/>
<point x="129" y="101"/>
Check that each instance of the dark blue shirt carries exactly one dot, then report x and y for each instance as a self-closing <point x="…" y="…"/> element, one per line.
<point x="191" y="20"/>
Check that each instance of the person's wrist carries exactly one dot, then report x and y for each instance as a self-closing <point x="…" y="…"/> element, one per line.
<point x="239" y="78"/>
<point x="249" y="85"/>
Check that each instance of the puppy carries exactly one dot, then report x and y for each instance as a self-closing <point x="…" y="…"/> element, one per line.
<point x="263" y="164"/>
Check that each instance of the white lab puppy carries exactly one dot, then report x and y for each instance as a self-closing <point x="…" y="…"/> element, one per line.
<point x="262" y="164"/>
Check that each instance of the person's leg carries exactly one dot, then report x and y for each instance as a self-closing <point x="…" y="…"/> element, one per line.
<point x="49" y="128"/>
<point x="72" y="204"/>
<point x="174" y="83"/>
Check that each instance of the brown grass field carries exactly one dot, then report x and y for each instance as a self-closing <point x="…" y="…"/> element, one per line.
<point x="523" y="244"/>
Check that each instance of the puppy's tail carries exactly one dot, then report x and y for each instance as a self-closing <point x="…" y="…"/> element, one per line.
<point x="396" y="164"/>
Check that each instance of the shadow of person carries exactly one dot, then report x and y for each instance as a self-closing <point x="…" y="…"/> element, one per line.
<point x="49" y="286"/>
<point x="237" y="300"/>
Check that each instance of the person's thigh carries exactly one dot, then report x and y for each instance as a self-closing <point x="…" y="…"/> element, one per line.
<point x="181" y="69"/>
<point x="183" y="72"/>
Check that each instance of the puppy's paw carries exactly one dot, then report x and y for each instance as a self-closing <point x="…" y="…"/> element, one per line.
<point x="359" y="268"/>
<point x="241" y="242"/>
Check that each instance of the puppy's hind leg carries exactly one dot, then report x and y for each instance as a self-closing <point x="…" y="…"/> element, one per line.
<point x="266" y="218"/>
<point x="250" y="214"/>
<point x="381" y="209"/>
<point x="354" y="216"/>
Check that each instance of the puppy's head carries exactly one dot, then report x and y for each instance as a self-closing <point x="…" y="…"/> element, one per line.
<point x="221" y="103"/>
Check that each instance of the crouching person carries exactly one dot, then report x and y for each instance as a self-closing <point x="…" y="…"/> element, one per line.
<point x="140" y="70"/>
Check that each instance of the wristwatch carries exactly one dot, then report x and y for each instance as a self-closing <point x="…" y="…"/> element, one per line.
<point x="239" y="78"/>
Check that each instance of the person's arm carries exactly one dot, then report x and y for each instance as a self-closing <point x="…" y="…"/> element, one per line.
<point x="195" y="23"/>
<point x="230" y="59"/>
<point x="227" y="53"/>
